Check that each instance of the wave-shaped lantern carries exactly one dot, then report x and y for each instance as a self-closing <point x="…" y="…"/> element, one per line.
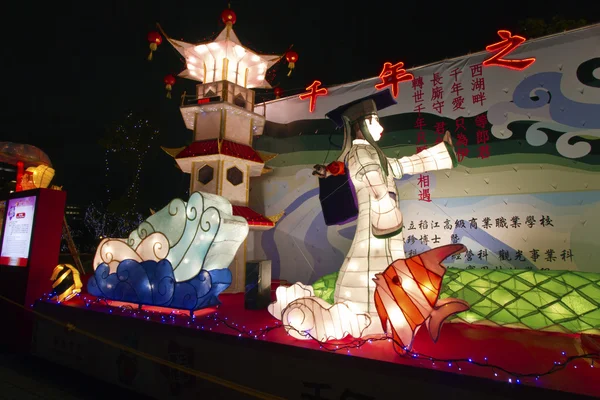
<point x="178" y="257"/>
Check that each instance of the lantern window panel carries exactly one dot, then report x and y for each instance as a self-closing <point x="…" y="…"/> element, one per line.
<point x="205" y="174"/>
<point x="235" y="176"/>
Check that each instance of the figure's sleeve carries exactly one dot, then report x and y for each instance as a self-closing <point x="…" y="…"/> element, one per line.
<point x="434" y="158"/>
<point x="365" y="161"/>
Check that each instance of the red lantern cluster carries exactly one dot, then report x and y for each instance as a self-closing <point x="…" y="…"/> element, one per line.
<point x="155" y="40"/>
<point x="278" y="92"/>
<point x="169" y="82"/>
<point x="291" y="57"/>
<point x="228" y="16"/>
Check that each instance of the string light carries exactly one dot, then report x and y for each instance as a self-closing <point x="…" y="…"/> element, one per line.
<point x="214" y="320"/>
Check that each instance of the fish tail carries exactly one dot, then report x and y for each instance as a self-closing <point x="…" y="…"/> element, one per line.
<point x="443" y="309"/>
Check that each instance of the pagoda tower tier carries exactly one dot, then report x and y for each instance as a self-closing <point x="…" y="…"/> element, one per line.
<point x="221" y="159"/>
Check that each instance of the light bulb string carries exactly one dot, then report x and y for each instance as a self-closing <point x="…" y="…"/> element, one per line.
<point x="337" y="346"/>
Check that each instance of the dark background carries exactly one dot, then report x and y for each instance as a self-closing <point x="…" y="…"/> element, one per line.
<point x="73" y="69"/>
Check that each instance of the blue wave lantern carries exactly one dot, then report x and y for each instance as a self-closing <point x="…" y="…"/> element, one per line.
<point x="179" y="257"/>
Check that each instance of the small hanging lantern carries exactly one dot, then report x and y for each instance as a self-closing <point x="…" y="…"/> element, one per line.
<point x="228" y="16"/>
<point x="278" y="92"/>
<point x="169" y="82"/>
<point x="155" y="40"/>
<point x="291" y="57"/>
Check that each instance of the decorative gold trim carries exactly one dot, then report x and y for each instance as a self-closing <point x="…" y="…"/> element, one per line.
<point x="266" y="170"/>
<point x="266" y="156"/>
<point x="173" y="151"/>
<point x="275" y="218"/>
<point x="225" y="74"/>
<point x="250" y="138"/>
<point x="221" y="179"/>
<point x="222" y="127"/>
<point x="246" y="78"/>
<point x="204" y="77"/>
<point x="247" y="184"/>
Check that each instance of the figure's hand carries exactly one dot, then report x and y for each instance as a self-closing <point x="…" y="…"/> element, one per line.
<point x="320" y="171"/>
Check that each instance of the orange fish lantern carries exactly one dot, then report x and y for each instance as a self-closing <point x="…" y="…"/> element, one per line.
<point x="278" y="92"/>
<point x="169" y="82"/>
<point x="291" y="57"/>
<point x="407" y="292"/>
<point x="155" y="40"/>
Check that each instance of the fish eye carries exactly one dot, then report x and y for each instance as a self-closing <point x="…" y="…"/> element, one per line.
<point x="396" y="280"/>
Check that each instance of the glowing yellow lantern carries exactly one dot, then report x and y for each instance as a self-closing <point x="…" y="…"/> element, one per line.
<point x="66" y="282"/>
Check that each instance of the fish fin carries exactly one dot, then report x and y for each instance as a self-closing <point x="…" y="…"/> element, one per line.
<point x="443" y="309"/>
<point x="432" y="259"/>
<point x="383" y="315"/>
<point x="399" y="346"/>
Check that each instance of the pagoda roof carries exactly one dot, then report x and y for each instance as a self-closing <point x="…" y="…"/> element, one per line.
<point x="224" y="147"/>
<point x="255" y="220"/>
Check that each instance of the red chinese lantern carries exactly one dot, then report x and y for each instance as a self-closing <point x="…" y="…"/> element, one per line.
<point x="155" y="39"/>
<point x="228" y="16"/>
<point x="278" y="92"/>
<point x="291" y="57"/>
<point x="169" y="82"/>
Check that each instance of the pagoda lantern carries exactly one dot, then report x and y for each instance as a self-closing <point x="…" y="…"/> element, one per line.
<point x="155" y="40"/>
<point x="291" y="57"/>
<point x="169" y="82"/>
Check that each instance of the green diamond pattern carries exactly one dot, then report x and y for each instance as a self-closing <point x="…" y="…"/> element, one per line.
<point x="566" y="301"/>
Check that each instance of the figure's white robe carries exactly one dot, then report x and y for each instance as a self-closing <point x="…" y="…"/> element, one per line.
<point x="378" y="211"/>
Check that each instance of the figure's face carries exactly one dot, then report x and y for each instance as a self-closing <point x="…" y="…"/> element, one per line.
<point x="375" y="129"/>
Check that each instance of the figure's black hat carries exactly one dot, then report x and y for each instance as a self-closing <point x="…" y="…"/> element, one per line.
<point x="362" y="107"/>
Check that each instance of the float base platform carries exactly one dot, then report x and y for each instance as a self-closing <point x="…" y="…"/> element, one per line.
<point x="231" y="343"/>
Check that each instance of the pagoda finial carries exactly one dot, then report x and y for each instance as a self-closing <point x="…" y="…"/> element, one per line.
<point x="228" y="17"/>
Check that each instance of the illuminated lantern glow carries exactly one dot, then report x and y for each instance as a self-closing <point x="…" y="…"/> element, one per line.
<point x="407" y="295"/>
<point x="313" y="93"/>
<point x="228" y="17"/>
<point x="155" y="40"/>
<point x="278" y="92"/>
<point x="178" y="257"/>
<point x="393" y="75"/>
<point x="305" y="316"/>
<point x="169" y="82"/>
<point x="66" y="282"/>
<point x="20" y="171"/>
<point x="291" y="57"/>
<point x="41" y="176"/>
<point x="508" y="44"/>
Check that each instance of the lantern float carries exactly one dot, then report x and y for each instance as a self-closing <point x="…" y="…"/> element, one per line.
<point x="291" y="57"/>
<point x="278" y="92"/>
<point x="169" y="82"/>
<point x="155" y="39"/>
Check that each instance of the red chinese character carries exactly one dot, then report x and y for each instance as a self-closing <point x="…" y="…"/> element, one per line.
<point x="484" y="151"/>
<point x="421" y="137"/>
<point x="461" y="139"/>
<point x="438" y="105"/>
<point x="476" y="70"/>
<point x="424" y="195"/>
<point x="417" y="82"/>
<point x="437" y="93"/>
<point x="392" y="75"/>
<point x="457" y="88"/>
<point x="483" y="136"/>
<point x="419" y="107"/>
<point x="457" y="103"/>
<point x="481" y="121"/>
<point x="455" y="73"/>
<point x="461" y="153"/>
<point x="421" y="148"/>
<point x="313" y="93"/>
<point x="423" y="180"/>
<point x="479" y="98"/>
<point x="418" y="96"/>
<point x="505" y="47"/>
<point x="440" y="128"/>
<point x="420" y="123"/>
<point x="478" y="84"/>
<point x="460" y="123"/>
<point x="437" y="79"/>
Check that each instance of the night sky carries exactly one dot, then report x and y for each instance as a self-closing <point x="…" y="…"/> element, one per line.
<point x="72" y="68"/>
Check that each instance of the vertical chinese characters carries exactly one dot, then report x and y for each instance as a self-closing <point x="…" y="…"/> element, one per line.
<point x="423" y="183"/>
<point x="462" y="141"/>
<point x="437" y="93"/>
<point x="417" y="85"/>
<point x="483" y="135"/>
<point x="477" y="84"/>
<point x="458" y="100"/>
